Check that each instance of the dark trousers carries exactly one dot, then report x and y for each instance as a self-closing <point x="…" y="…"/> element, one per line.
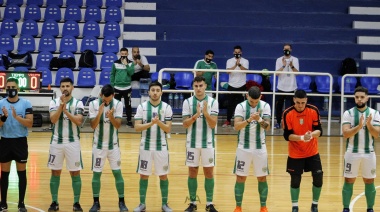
<point x="141" y="74"/>
<point x="280" y="100"/>
<point x="126" y="94"/>
<point x="233" y="100"/>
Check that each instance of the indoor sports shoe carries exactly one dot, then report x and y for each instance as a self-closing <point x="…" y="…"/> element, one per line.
<point x="211" y="208"/>
<point x="346" y="210"/>
<point x="277" y="126"/>
<point x="3" y="207"/>
<point x="122" y="207"/>
<point x="166" y="208"/>
<point x="314" y="208"/>
<point x="21" y="207"/>
<point x="192" y="207"/>
<point x="53" y="207"/>
<point x="369" y="210"/>
<point x="295" y="209"/>
<point x="140" y="208"/>
<point x="226" y="124"/>
<point x="95" y="207"/>
<point x="129" y="124"/>
<point x="264" y="209"/>
<point x="238" y="209"/>
<point x="77" y="207"/>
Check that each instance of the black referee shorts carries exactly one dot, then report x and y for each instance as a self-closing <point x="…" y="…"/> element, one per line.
<point x="300" y="165"/>
<point x="14" y="149"/>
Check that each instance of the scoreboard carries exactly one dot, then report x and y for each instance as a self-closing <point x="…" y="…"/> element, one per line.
<point x="26" y="80"/>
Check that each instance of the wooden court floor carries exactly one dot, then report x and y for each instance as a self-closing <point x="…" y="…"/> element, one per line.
<point x="331" y="150"/>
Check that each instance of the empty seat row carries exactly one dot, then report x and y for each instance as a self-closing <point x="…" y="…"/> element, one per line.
<point x="50" y="27"/>
<point x="60" y="3"/>
<point x="71" y="13"/>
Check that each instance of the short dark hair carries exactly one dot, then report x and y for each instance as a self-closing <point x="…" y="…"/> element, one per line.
<point x="209" y="52"/>
<point x="300" y="94"/>
<point x="288" y="44"/>
<point x="155" y="83"/>
<point x="66" y="79"/>
<point x="361" y="89"/>
<point x="254" y="92"/>
<point x="199" y="79"/>
<point x="238" y="47"/>
<point x="12" y="79"/>
<point x="107" y="90"/>
<point x="123" y="49"/>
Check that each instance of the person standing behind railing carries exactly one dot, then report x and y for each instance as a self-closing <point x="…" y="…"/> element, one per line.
<point x="206" y="63"/>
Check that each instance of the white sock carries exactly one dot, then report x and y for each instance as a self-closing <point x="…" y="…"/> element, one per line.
<point x="295" y="204"/>
<point x="209" y="203"/>
<point x="315" y="203"/>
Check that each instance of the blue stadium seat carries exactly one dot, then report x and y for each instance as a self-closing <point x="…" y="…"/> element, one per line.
<point x="323" y="84"/>
<point x="66" y="55"/>
<point x="21" y="69"/>
<point x="5" y="53"/>
<point x="112" y="14"/>
<point x="183" y="80"/>
<point x="271" y="82"/>
<point x="86" y="77"/>
<point x="105" y="76"/>
<point x="303" y="82"/>
<point x="223" y="78"/>
<point x="349" y="84"/>
<point x="70" y="28"/>
<point x="35" y="2"/>
<point x="114" y="3"/>
<point x="68" y="44"/>
<point x="89" y="42"/>
<point x="6" y="43"/>
<point x="58" y="3"/>
<point x="91" y="28"/>
<point x="97" y="3"/>
<point x="93" y="13"/>
<point x="43" y="59"/>
<point x="371" y="83"/>
<point x="254" y="77"/>
<point x="29" y="27"/>
<point x="12" y="11"/>
<point x="47" y="78"/>
<point x="111" y="29"/>
<point x="32" y="12"/>
<point x="78" y="3"/>
<point x="15" y="2"/>
<point x="26" y="43"/>
<point x="110" y="44"/>
<point x="165" y="75"/>
<point x="47" y="43"/>
<point x="50" y="27"/>
<point x="62" y="73"/>
<point x="107" y="60"/>
<point x="9" y="27"/>
<point x="53" y="12"/>
<point x="73" y="13"/>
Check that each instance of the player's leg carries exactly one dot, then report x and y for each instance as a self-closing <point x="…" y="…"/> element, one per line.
<point x="55" y="163"/>
<point x="144" y="168"/>
<point x="295" y="168"/>
<point x="162" y="168"/>
<point x="315" y="166"/>
<point x="74" y="165"/>
<point x="192" y="161"/>
<point x="351" y="169"/>
<point x="6" y="157"/>
<point x="369" y="174"/>
<point x="260" y="164"/>
<point x="208" y="163"/>
<point x="98" y="160"/>
<point x="243" y="160"/>
<point x="114" y="159"/>
<point x="20" y="154"/>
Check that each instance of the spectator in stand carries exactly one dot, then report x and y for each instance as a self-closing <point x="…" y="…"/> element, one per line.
<point x="206" y="63"/>
<point x="142" y="67"/>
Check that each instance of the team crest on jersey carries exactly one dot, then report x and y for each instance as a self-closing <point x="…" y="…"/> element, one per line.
<point x="301" y="121"/>
<point x="211" y="160"/>
<point x="265" y="169"/>
<point x="166" y="167"/>
<point x="77" y="164"/>
<point x="373" y="171"/>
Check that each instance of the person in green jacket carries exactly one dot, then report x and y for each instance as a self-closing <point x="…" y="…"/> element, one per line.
<point x="206" y="63"/>
<point x="120" y="79"/>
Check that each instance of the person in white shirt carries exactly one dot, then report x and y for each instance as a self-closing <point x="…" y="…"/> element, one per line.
<point x="236" y="82"/>
<point x="286" y="82"/>
<point x="142" y="67"/>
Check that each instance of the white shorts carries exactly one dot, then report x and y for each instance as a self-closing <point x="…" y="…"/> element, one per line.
<point x="354" y="161"/>
<point x="161" y="162"/>
<point x="99" y="157"/>
<point x="206" y="154"/>
<point x="71" y="151"/>
<point x="244" y="159"/>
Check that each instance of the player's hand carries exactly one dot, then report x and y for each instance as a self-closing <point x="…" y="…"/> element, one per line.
<point x="255" y="116"/>
<point x="101" y="108"/>
<point x="155" y="120"/>
<point x="14" y="114"/>
<point x="368" y="120"/>
<point x="283" y="61"/>
<point x="204" y="109"/>
<point x="361" y="121"/>
<point x="307" y="137"/>
<point x="291" y="63"/>
<point x="198" y="110"/>
<point x="5" y="111"/>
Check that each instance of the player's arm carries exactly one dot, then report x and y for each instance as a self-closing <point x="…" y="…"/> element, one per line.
<point x="374" y="130"/>
<point x="28" y="120"/>
<point x="265" y="124"/>
<point x="166" y="127"/>
<point x="94" y="121"/>
<point x="76" y="119"/>
<point x="240" y="123"/>
<point x="189" y="120"/>
<point x="211" y="119"/>
<point x="348" y="131"/>
<point x="54" y="115"/>
<point x="139" y="126"/>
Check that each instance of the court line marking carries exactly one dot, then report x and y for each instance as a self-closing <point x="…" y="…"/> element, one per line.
<point x="28" y="206"/>
<point x="357" y="198"/>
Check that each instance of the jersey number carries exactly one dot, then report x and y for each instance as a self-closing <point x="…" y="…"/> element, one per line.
<point x="98" y="161"/>
<point x="51" y="158"/>
<point x="143" y="164"/>
<point x="240" y="164"/>
<point x="348" y="167"/>
<point x="190" y="155"/>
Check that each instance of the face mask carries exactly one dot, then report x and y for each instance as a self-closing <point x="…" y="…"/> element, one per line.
<point x="123" y="57"/>
<point x="287" y="52"/>
<point x="237" y="56"/>
<point x="208" y="60"/>
<point x="12" y="92"/>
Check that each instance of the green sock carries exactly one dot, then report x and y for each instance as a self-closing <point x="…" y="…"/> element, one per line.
<point x="294" y="193"/>
<point x="164" y="185"/>
<point x="316" y="193"/>
<point x="370" y="194"/>
<point x="347" y="194"/>
<point x="263" y="191"/>
<point x="119" y="182"/>
<point x="76" y="183"/>
<point x="54" y="185"/>
<point x="96" y="184"/>
<point x="239" y="191"/>
<point x="192" y="184"/>
<point x="209" y="187"/>
<point x="143" y="189"/>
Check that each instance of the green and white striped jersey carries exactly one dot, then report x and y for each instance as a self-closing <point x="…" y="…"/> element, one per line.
<point x="153" y="138"/>
<point x="65" y="131"/>
<point x="199" y="134"/>
<point x="105" y="134"/>
<point x="361" y="142"/>
<point x="253" y="135"/>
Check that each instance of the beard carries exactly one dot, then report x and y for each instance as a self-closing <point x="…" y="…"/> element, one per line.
<point x="360" y="106"/>
<point x="67" y="93"/>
